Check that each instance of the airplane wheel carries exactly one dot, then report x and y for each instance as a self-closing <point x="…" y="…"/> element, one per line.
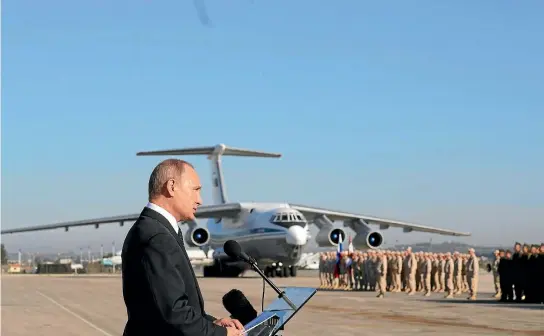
<point x="211" y="271"/>
<point x="285" y="272"/>
<point x="293" y="271"/>
<point x="207" y="271"/>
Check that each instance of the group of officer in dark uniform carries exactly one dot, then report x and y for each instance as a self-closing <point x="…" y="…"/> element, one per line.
<point x="521" y="274"/>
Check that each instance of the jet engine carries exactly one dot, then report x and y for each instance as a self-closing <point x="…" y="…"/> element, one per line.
<point x="331" y="237"/>
<point x="366" y="238"/>
<point x="197" y="237"/>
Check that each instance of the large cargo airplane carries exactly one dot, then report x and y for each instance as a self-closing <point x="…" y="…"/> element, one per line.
<point x="274" y="234"/>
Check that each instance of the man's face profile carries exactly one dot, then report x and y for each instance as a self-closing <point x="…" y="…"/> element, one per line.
<point x="185" y="191"/>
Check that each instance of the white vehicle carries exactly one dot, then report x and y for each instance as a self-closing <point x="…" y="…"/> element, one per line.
<point x="309" y="261"/>
<point x="198" y="257"/>
<point x="274" y="234"/>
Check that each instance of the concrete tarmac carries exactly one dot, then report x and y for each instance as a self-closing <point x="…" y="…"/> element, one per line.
<point x="93" y="306"/>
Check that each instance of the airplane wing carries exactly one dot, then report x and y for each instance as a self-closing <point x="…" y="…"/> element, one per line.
<point x="218" y="211"/>
<point x="207" y="211"/>
<point x="310" y="213"/>
<point x="66" y="225"/>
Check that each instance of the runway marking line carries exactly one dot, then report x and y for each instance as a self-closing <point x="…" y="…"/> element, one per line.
<point x="69" y="311"/>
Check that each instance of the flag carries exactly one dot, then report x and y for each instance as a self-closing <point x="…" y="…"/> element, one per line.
<point x="338" y="257"/>
<point x="350" y="252"/>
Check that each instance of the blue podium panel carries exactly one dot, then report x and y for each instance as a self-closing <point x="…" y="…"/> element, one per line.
<point x="278" y="313"/>
<point x="298" y="295"/>
<point x="262" y="325"/>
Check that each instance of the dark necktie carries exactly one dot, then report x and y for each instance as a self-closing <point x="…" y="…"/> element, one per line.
<point x="180" y="235"/>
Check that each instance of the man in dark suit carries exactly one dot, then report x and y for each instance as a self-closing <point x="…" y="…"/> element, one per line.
<point x="160" y="289"/>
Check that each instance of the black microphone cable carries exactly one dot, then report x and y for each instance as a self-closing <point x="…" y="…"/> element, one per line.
<point x="262" y="299"/>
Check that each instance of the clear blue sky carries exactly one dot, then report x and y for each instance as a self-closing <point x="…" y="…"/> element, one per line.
<point x="425" y="111"/>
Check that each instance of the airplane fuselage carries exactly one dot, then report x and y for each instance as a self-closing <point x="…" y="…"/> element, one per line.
<point x="273" y="234"/>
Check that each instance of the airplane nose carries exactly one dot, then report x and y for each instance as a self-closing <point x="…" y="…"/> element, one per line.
<point x="296" y="235"/>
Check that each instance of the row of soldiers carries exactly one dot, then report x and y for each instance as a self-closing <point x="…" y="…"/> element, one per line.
<point x="397" y="271"/>
<point x="519" y="275"/>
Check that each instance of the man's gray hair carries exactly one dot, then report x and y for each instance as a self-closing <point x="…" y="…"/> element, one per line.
<point x="164" y="171"/>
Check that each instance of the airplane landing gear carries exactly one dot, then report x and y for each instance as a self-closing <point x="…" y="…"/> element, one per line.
<point x="293" y="271"/>
<point x="218" y="270"/>
<point x="282" y="271"/>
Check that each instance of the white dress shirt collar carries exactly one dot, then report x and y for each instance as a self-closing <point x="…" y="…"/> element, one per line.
<point x="171" y="219"/>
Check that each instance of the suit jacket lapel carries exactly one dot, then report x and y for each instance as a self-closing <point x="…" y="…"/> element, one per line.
<point x="157" y="216"/>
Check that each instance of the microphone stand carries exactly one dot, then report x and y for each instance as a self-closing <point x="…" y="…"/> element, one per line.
<point x="281" y="294"/>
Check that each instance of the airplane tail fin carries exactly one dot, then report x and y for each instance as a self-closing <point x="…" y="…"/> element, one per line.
<point x="214" y="154"/>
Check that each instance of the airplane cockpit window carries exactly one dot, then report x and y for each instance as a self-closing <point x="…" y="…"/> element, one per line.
<point x="287" y="219"/>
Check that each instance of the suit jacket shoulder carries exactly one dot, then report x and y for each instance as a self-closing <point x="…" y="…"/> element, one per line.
<point x="160" y="290"/>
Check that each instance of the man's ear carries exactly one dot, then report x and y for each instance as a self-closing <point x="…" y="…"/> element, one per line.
<point x="170" y="187"/>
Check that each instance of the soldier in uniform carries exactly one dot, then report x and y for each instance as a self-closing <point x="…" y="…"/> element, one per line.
<point x="344" y="271"/>
<point x="381" y="272"/>
<point x="328" y="269"/>
<point x="332" y="267"/>
<point x="524" y="270"/>
<point x="420" y="275"/>
<point x="495" y="270"/>
<point x="531" y="295"/>
<point x="472" y="269"/>
<point x="355" y="271"/>
<point x="392" y="270"/>
<point x="457" y="275"/>
<point x="506" y="276"/>
<point x="403" y="275"/>
<point x="349" y="271"/>
<point x="336" y="277"/>
<point x="449" y="271"/>
<point x="388" y="278"/>
<point x="362" y="272"/>
<point x="541" y="274"/>
<point x="410" y="265"/>
<point x="366" y="270"/>
<point x="398" y="271"/>
<point x="322" y="270"/>
<point x="516" y="271"/>
<point x="435" y="273"/>
<point x="464" y="286"/>
<point x="442" y="274"/>
<point x="427" y="271"/>
<point x="370" y="271"/>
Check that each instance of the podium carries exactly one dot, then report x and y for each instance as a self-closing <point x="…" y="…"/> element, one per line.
<point x="276" y="315"/>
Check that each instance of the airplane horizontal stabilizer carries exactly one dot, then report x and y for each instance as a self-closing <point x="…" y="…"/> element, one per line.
<point x="217" y="150"/>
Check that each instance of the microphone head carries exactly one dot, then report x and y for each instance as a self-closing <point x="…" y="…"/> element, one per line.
<point x="232" y="249"/>
<point x="236" y="303"/>
<point x="234" y="298"/>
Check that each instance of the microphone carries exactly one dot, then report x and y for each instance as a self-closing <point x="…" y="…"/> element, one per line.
<point x="239" y="307"/>
<point x="234" y="250"/>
